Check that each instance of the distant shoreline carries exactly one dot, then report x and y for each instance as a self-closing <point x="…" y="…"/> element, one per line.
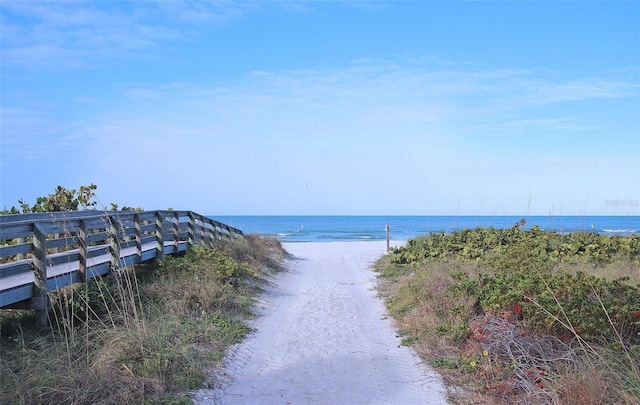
<point x="342" y="228"/>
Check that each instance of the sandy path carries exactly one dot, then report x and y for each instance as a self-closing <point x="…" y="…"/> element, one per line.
<point x="322" y="338"/>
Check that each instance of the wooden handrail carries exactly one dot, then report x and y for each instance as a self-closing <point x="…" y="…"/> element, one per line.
<point x="42" y="252"/>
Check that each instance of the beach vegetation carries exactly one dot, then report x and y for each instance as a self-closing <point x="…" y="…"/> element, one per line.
<point x="521" y="315"/>
<point x="62" y="199"/>
<point x="150" y="335"/>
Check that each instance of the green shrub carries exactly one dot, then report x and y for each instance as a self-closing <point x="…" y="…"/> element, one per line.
<point x="562" y="304"/>
<point x="529" y="316"/>
<point x="203" y="261"/>
<point x="491" y="243"/>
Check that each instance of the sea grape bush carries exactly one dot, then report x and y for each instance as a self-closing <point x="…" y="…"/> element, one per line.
<point x="561" y="304"/>
<point x="62" y="199"/>
<point x="520" y="279"/>
<point x="552" y="247"/>
<point x="218" y="263"/>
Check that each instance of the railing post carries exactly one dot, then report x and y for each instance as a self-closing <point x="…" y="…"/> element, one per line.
<point x="159" y="236"/>
<point x="114" y="243"/>
<point x="83" y="250"/>
<point x="136" y="224"/>
<point x="214" y="233"/>
<point x="203" y="225"/>
<point x="40" y="300"/>
<point x="176" y="231"/>
<point x="192" y="229"/>
<point x="206" y="232"/>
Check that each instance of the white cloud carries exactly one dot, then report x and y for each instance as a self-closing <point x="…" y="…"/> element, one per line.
<point x="54" y="34"/>
<point x="547" y="92"/>
<point x="385" y="96"/>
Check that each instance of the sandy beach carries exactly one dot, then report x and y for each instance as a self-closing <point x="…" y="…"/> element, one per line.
<point x="322" y="337"/>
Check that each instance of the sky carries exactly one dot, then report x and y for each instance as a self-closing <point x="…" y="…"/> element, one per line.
<point x="324" y="107"/>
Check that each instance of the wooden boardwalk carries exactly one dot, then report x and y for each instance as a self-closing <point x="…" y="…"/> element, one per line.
<point x="43" y="252"/>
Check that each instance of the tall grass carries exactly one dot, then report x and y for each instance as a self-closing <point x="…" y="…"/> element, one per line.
<point x="148" y="334"/>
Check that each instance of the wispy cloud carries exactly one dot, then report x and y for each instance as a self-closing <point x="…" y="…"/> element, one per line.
<point x="392" y="94"/>
<point x="63" y="34"/>
<point x="367" y="98"/>
<point x="546" y="91"/>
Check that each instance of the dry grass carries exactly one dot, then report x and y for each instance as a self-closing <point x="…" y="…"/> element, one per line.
<point x="613" y="271"/>
<point x="489" y="359"/>
<point x="147" y="336"/>
<point x="264" y="254"/>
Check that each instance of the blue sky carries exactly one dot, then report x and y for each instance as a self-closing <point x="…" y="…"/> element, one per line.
<point x="337" y="107"/>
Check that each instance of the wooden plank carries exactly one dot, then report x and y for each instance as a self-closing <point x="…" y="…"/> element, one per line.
<point x="51" y="216"/>
<point x="62" y="242"/>
<point x="13" y="268"/>
<point x="98" y="270"/>
<point x="95" y="251"/>
<point x="13" y="250"/>
<point x="50" y="228"/>
<point x="97" y="223"/>
<point x="57" y="259"/>
<point x="14" y="231"/>
<point x="147" y="239"/>
<point x="126" y="244"/>
<point x="62" y="226"/>
<point x="148" y="255"/>
<point x="20" y="293"/>
<point x="147" y="228"/>
<point x="63" y="280"/>
<point x="126" y="221"/>
<point x="97" y="237"/>
<point x="148" y="216"/>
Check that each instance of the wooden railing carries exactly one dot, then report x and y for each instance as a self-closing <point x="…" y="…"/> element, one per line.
<point x="46" y="251"/>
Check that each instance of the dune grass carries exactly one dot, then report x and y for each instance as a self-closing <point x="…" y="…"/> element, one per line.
<point x="149" y="334"/>
<point x="529" y="319"/>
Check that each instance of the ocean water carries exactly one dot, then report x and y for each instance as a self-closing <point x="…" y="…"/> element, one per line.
<point x="401" y="228"/>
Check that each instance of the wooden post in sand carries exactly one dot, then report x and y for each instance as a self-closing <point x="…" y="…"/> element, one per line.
<point x="386" y="228"/>
<point x="40" y="296"/>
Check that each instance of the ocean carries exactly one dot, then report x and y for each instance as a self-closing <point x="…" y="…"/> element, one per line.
<point x="402" y="228"/>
